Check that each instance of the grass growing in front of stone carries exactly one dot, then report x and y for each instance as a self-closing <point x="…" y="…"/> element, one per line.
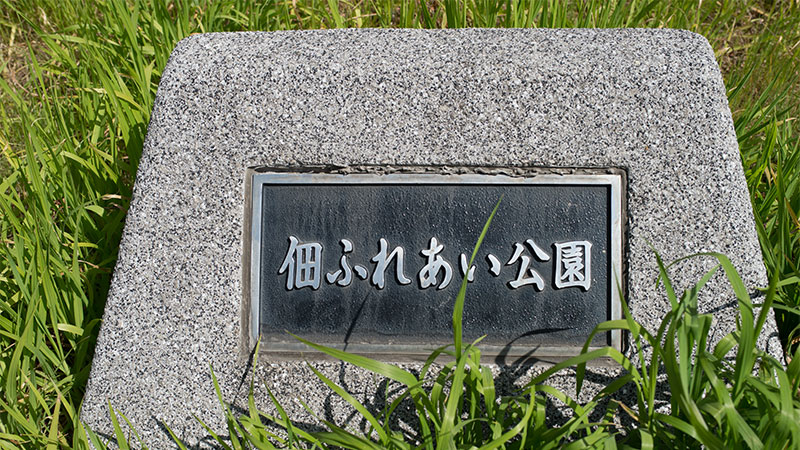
<point x="77" y="87"/>
<point x="717" y="401"/>
<point x="730" y="396"/>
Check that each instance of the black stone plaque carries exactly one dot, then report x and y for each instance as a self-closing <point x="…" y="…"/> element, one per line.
<point x="375" y="261"/>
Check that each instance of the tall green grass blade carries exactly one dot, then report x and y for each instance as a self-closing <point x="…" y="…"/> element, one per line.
<point x="93" y="438"/>
<point x="514" y="431"/>
<point x="458" y="309"/>
<point x="380" y="368"/>
<point x="341" y="438"/>
<point x="376" y="425"/>
<point x="453" y="403"/>
<point x="121" y="439"/>
<point x="736" y="421"/>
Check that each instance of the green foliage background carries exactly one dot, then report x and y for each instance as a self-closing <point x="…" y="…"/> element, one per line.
<point x="78" y="83"/>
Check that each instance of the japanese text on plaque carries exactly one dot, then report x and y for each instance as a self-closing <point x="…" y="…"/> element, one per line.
<point x="303" y="265"/>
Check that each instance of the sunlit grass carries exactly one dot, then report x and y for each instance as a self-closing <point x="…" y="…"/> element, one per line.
<point x="79" y="80"/>
<point x="716" y="401"/>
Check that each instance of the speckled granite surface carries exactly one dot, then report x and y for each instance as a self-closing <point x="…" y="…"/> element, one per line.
<point x="650" y="101"/>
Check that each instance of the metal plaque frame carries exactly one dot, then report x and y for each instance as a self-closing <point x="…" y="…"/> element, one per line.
<point x="255" y="180"/>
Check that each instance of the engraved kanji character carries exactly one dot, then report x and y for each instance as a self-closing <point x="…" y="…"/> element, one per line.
<point x="361" y="271"/>
<point x="383" y="259"/>
<point x="494" y="264"/>
<point x="526" y="275"/>
<point x="303" y="263"/>
<point x="574" y="264"/>
<point x="429" y="273"/>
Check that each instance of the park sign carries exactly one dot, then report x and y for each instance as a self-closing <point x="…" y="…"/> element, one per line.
<point x="327" y="183"/>
<point x="373" y="261"/>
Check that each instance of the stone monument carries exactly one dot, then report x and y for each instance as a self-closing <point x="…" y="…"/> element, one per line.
<point x="333" y="183"/>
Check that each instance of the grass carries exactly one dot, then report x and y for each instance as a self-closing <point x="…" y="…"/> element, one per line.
<point x="716" y="401"/>
<point x="78" y="84"/>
